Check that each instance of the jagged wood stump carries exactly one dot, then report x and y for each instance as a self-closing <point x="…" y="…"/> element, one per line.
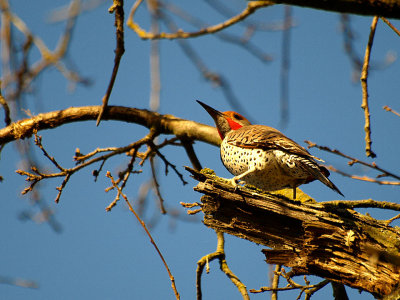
<point x="338" y="244"/>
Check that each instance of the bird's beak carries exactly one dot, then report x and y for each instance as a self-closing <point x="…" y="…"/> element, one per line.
<point x="213" y="112"/>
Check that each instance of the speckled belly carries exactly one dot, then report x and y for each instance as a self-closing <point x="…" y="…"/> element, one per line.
<point x="274" y="169"/>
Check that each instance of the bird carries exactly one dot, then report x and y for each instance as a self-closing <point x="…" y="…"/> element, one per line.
<point x="263" y="156"/>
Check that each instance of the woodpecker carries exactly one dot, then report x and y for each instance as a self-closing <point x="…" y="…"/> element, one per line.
<point x="263" y="156"/>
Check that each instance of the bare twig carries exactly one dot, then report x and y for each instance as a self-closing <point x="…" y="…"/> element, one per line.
<point x="118" y="9"/>
<point x="308" y="289"/>
<point x="225" y="11"/>
<point x="19" y="282"/>
<point x="157" y="186"/>
<point x="284" y="76"/>
<point x="120" y="193"/>
<point x="364" y="84"/>
<point x="167" y="163"/>
<point x="155" y="81"/>
<point x="224" y="36"/>
<point x="188" y="145"/>
<point x="37" y="176"/>
<point x="384" y="173"/>
<point x="364" y="178"/>
<point x="387" y="108"/>
<point x="392" y="219"/>
<point x="348" y="39"/>
<point x="390" y="25"/>
<point x="250" y="9"/>
<point x="216" y="79"/>
<point x="368" y="203"/>
<point x="3" y="102"/>
<point x="220" y="254"/>
<point x="275" y="283"/>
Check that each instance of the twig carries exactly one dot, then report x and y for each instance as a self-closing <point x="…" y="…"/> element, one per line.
<point x="363" y="178"/>
<point x="38" y="142"/>
<point x="167" y="163"/>
<point x="225" y="11"/>
<point x="354" y="160"/>
<point x="387" y="108"/>
<point x="19" y="282"/>
<point x="275" y="283"/>
<point x="188" y="145"/>
<point x="368" y="203"/>
<point x="390" y="25"/>
<point x="284" y="76"/>
<point x="37" y="176"/>
<point x="308" y="289"/>
<point x="3" y="102"/>
<point x="155" y="81"/>
<point x="348" y="40"/>
<point x="392" y="219"/>
<point x="364" y="84"/>
<point x="250" y="9"/>
<point x="215" y="78"/>
<point x="147" y="232"/>
<point x="224" y="36"/>
<point x="220" y="254"/>
<point x="118" y="9"/>
<point x="157" y="186"/>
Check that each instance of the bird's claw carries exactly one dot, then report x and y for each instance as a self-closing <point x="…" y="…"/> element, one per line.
<point x="236" y="183"/>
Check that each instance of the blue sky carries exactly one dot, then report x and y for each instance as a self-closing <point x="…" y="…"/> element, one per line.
<point x="106" y="255"/>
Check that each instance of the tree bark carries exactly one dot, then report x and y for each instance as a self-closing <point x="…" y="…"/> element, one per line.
<point x="335" y="243"/>
<point x="164" y="124"/>
<point x="382" y="8"/>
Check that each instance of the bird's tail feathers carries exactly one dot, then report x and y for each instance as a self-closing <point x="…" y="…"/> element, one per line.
<point x="321" y="173"/>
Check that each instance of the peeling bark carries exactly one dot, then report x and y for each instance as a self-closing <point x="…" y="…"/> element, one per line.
<point x="335" y="243"/>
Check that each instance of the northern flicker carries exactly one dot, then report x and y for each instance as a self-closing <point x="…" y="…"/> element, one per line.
<point x="263" y="156"/>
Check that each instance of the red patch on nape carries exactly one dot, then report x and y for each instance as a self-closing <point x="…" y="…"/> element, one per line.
<point x="233" y="125"/>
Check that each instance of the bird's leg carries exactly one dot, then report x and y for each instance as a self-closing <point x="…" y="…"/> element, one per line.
<point x="234" y="180"/>
<point x="294" y="193"/>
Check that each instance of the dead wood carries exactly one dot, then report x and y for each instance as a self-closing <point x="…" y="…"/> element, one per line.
<point x="335" y="243"/>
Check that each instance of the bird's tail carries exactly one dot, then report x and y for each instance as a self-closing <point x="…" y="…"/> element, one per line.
<point x="321" y="173"/>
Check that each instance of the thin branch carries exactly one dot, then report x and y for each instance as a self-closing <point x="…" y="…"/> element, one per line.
<point x="353" y="160"/>
<point x="19" y="282"/>
<point x="364" y="178"/>
<point x="188" y="145"/>
<point x="224" y="36"/>
<point x="308" y="289"/>
<point x="167" y="163"/>
<point x="220" y="254"/>
<point x="364" y="84"/>
<point x="368" y="203"/>
<point x="3" y="102"/>
<point x="275" y="283"/>
<point x="387" y="108"/>
<point x="147" y="232"/>
<point x="285" y="64"/>
<point x="157" y="186"/>
<point x="213" y="77"/>
<point x="392" y="219"/>
<point x="250" y="9"/>
<point x="390" y="25"/>
<point x="118" y="9"/>
<point x="37" y="176"/>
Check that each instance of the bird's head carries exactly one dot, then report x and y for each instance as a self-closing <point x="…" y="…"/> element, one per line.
<point x="225" y="121"/>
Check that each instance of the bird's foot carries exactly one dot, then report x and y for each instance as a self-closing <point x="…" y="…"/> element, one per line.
<point x="236" y="183"/>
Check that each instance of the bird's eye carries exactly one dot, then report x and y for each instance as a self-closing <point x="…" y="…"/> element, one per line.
<point x="236" y="116"/>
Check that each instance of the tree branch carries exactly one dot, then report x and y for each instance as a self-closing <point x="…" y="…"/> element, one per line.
<point x="338" y="244"/>
<point x="164" y="124"/>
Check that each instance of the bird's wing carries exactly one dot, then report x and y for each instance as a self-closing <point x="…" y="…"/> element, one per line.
<point x="265" y="137"/>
